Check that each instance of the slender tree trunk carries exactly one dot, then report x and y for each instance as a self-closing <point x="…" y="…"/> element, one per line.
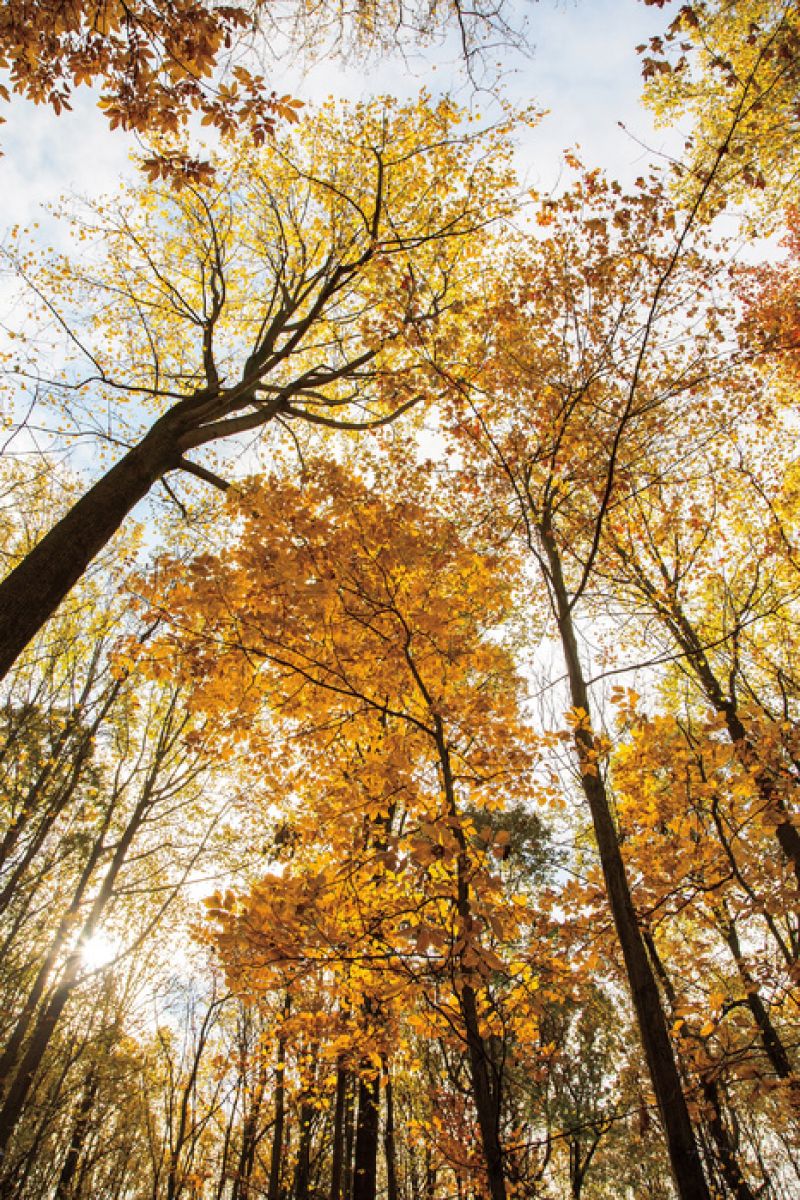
<point x="786" y="832"/>
<point x="337" y="1163"/>
<point x="365" y="1168"/>
<point x="250" y="1137"/>
<point x="770" y="1039"/>
<point x="183" y="1133"/>
<point x="735" y="1181"/>
<point x="64" y="1186"/>
<point x="276" y="1157"/>
<point x="389" y="1148"/>
<point x="484" y="1094"/>
<point x="222" y="1180"/>
<point x="684" y="1155"/>
<point x="485" y="1084"/>
<point x="36" y="587"/>
<point x="349" y="1137"/>
<point x="684" y="633"/>
<point x="430" y="1176"/>
<point x="34" y="845"/>
<point x="302" y="1178"/>
<point x="58" y="943"/>
<point x="67" y="752"/>
<point x="48" y="1018"/>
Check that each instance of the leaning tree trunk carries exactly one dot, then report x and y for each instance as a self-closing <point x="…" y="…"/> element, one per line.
<point x="770" y="1038"/>
<point x="36" y="587"/>
<point x="731" y="1172"/>
<point x="684" y="1155"/>
<point x="64" y="1187"/>
<point x="687" y="638"/>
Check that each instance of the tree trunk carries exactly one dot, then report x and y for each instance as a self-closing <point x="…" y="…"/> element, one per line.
<point x="71" y="1159"/>
<point x="349" y="1138"/>
<point x="685" y="634"/>
<point x="48" y="1018"/>
<point x="36" y="587"/>
<point x="302" y="1177"/>
<point x="684" y="1156"/>
<point x="59" y="941"/>
<point x="337" y="1164"/>
<point x="735" y="1181"/>
<point x="365" y="1167"/>
<point x="430" y="1176"/>
<point x="770" y="1039"/>
<point x="250" y="1138"/>
<point x="276" y="1157"/>
<point x="183" y="1134"/>
<point x="388" y="1141"/>
<point x="484" y="1094"/>
<point x="485" y="1087"/>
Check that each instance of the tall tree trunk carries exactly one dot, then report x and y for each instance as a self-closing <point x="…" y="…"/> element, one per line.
<point x="48" y="1018"/>
<point x="276" y="1156"/>
<point x="686" y="636"/>
<point x="36" y="587"/>
<point x="250" y="1136"/>
<point x="726" y="1156"/>
<point x="71" y="1159"/>
<point x="389" y="1148"/>
<point x="222" y="1180"/>
<point x="65" y="751"/>
<point x="184" y="1131"/>
<point x="430" y="1175"/>
<point x="684" y="1155"/>
<point x="58" y="943"/>
<point x="302" y="1176"/>
<point x="484" y="1094"/>
<point x="485" y="1083"/>
<point x="365" y="1166"/>
<point x="349" y="1138"/>
<point x="770" y="1038"/>
<point x="337" y="1162"/>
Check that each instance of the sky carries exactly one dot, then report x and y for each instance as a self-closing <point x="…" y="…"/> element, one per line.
<point x="583" y="68"/>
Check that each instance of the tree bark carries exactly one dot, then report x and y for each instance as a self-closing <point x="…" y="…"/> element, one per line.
<point x="276" y="1157"/>
<point x="50" y="1015"/>
<point x="365" y="1166"/>
<point x="685" y="635"/>
<point x="250" y="1138"/>
<point x="36" y="587"/>
<point x="349" y="1139"/>
<point x="389" y="1148"/>
<point x="337" y="1163"/>
<point x="71" y="1159"/>
<point x="770" y="1039"/>
<point x="484" y="1094"/>
<point x="485" y="1086"/>
<point x="302" y="1178"/>
<point x="735" y="1181"/>
<point x="683" y="1152"/>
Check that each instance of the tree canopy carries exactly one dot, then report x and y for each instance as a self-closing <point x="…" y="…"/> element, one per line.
<point x="400" y="717"/>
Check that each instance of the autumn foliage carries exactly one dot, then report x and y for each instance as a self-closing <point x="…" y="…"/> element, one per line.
<point x="400" y="731"/>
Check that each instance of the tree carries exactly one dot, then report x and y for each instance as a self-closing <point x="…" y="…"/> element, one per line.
<point x="158" y="63"/>
<point x="306" y="286"/>
<point x="155" y="62"/>
<point x="557" y="431"/>
<point x="731" y="69"/>
<point x="366" y="617"/>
